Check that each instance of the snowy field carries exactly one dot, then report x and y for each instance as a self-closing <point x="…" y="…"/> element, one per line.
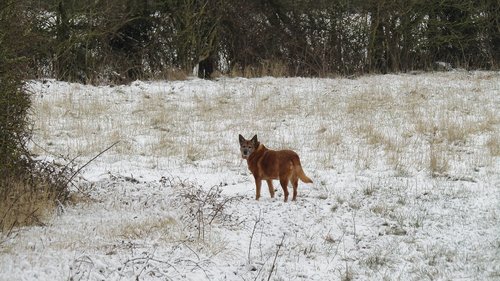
<point x="405" y="170"/>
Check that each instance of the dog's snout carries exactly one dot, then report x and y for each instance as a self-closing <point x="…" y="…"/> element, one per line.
<point x="245" y="152"/>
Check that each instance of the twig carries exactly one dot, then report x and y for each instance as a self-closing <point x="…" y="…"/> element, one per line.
<point x="337" y="248"/>
<point x="88" y="162"/>
<point x="260" y="242"/>
<point x="196" y="264"/>
<point x="251" y="236"/>
<point x="276" y="256"/>
<point x="260" y="270"/>
<point x="354" y="226"/>
<point x="186" y="245"/>
<point x="146" y="260"/>
<point x="149" y="256"/>
<point x="64" y="168"/>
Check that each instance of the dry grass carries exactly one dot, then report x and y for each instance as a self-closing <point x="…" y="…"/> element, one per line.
<point x="382" y="209"/>
<point x="419" y="137"/>
<point x="173" y="74"/>
<point x="370" y="102"/>
<point x="438" y="160"/>
<point x="406" y="124"/>
<point x="267" y="68"/>
<point x="417" y="127"/>
<point x="143" y="228"/>
<point x="378" y="258"/>
<point x="493" y="145"/>
<point x="25" y="203"/>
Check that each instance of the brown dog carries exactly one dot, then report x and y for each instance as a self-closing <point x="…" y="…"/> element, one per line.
<point x="266" y="164"/>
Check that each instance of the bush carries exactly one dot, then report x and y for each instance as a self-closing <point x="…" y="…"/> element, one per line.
<point x="31" y="191"/>
<point x="201" y="208"/>
<point x="28" y="188"/>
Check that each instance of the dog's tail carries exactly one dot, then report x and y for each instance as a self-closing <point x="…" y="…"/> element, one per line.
<point x="300" y="173"/>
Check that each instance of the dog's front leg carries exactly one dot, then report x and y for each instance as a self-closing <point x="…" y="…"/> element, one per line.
<point x="258" y="184"/>
<point x="271" y="187"/>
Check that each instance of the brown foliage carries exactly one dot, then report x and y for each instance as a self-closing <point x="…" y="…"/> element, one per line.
<point x="116" y="41"/>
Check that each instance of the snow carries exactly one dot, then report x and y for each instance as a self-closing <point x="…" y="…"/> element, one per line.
<point x="173" y="200"/>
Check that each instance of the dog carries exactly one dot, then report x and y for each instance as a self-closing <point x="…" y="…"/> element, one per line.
<point x="266" y="164"/>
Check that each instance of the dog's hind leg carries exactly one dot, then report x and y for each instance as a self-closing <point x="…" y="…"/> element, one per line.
<point x="271" y="187"/>
<point x="295" y="183"/>
<point x="284" y="185"/>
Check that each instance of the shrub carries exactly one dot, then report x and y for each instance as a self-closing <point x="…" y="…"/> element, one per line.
<point x="202" y="208"/>
<point x="28" y="188"/>
<point x="31" y="191"/>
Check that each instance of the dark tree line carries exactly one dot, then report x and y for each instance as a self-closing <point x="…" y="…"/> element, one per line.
<point x="97" y="40"/>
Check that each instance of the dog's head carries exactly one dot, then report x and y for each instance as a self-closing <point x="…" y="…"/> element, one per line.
<point x="248" y="146"/>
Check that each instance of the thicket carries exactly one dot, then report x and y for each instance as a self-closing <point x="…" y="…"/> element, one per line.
<point x="119" y="41"/>
<point x="28" y="188"/>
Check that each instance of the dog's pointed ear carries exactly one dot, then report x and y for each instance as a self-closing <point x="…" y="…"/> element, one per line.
<point x="254" y="139"/>
<point x="242" y="139"/>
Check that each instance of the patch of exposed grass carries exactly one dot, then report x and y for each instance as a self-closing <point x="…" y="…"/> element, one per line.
<point x="438" y="160"/>
<point x="493" y="145"/>
<point x="24" y="204"/>
<point x="380" y="209"/>
<point x="143" y="228"/>
<point x="377" y="259"/>
<point x="31" y="194"/>
<point x="373" y="127"/>
<point x="369" y="102"/>
<point x="369" y="190"/>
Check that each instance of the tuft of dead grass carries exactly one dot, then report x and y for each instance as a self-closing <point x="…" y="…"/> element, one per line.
<point x="24" y="204"/>
<point x="438" y="162"/>
<point x="144" y="228"/>
<point x="493" y="145"/>
<point x="31" y="193"/>
<point x="369" y="102"/>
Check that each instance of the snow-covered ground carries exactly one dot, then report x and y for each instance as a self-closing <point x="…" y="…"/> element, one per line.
<point x="405" y="170"/>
